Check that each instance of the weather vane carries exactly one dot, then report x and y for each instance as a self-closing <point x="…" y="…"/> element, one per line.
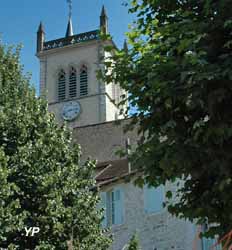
<point x="70" y="7"/>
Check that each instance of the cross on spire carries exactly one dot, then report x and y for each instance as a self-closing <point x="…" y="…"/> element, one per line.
<point x="70" y="8"/>
<point x="69" y="31"/>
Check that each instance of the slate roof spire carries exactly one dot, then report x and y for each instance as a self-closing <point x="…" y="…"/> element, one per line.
<point x="41" y="28"/>
<point x="103" y="21"/>
<point x="125" y="46"/>
<point x="103" y="12"/>
<point x="69" y="31"/>
<point x="40" y="38"/>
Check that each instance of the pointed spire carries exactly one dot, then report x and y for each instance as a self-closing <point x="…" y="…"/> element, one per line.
<point x="69" y="31"/>
<point x="103" y="21"/>
<point x="40" y="38"/>
<point x="125" y="46"/>
<point x="41" y="28"/>
<point x="103" y="12"/>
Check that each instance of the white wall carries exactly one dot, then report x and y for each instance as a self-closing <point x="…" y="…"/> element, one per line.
<point x="159" y="231"/>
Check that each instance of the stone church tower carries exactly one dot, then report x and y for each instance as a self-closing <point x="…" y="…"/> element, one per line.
<point x="68" y="79"/>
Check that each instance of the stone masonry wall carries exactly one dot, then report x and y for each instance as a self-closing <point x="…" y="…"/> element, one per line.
<point x="156" y="231"/>
<point x="159" y="231"/>
<point x="102" y="141"/>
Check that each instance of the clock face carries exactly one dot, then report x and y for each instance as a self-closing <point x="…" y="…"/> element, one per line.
<point x="71" y="110"/>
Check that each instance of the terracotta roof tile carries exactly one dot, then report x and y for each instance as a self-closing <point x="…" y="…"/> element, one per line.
<point x="112" y="169"/>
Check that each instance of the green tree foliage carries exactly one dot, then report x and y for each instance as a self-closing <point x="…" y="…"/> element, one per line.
<point x="42" y="183"/>
<point x="134" y="243"/>
<point x="179" y="76"/>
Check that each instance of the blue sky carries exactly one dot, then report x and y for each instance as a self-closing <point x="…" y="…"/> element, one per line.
<point x="19" y="20"/>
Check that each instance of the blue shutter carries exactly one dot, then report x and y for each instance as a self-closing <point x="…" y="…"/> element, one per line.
<point x="108" y="207"/>
<point x="117" y="206"/>
<point x="103" y="205"/>
<point x="208" y="244"/>
<point x="153" y="199"/>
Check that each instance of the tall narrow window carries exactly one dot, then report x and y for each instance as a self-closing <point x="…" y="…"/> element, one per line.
<point x="61" y="85"/>
<point x="83" y="81"/>
<point x="72" y="83"/>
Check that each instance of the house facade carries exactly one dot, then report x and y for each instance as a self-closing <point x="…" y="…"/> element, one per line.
<point x="89" y="106"/>
<point x="136" y="210"/>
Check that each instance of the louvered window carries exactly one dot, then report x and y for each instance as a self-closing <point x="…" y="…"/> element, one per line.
<point x="61" y="86"/>
<point x="72" y="83"/>
<point x="83" y="81"/>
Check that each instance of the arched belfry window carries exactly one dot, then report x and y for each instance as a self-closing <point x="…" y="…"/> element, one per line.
<point x="61" y="85"/>
<point x="83" y="81"/>
<point x="72" y="82"/>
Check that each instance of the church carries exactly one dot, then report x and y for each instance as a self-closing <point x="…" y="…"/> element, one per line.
<point x="75" y="95"/>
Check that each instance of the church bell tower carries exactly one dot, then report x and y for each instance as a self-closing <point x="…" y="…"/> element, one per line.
<point x="68" y="81"/>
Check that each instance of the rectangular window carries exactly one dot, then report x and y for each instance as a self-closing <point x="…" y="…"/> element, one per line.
<point x="153" y="199"/>
<point x="112" y="201"/>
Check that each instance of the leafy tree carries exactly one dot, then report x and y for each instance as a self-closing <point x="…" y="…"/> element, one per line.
<point x="134" y="243"/>
<point x="42" y="183"/>
<point x="178" y="73"/>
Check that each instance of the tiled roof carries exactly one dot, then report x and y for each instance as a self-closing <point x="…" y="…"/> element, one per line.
<point x="111" y="170"/>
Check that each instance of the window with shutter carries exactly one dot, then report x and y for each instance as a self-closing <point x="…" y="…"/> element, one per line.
<point x="153" y="199"/>
<point x="83" y="81"/>
<point x="208" y="243"/>
<point x="72" y="82"/>
<point x="118" y="206"/>
<point x="113" y="204"/>
<point x="61" y="85"/>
